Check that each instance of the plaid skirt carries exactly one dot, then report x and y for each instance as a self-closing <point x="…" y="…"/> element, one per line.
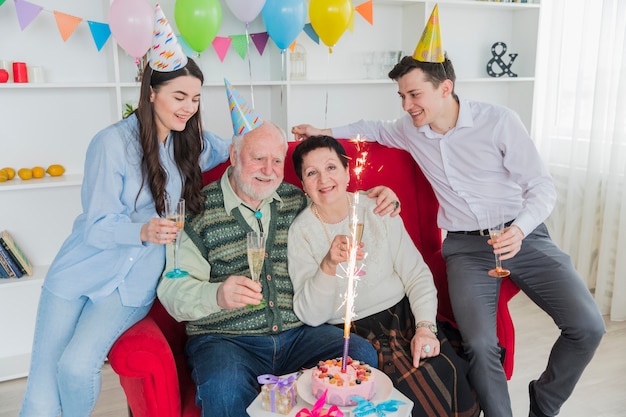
<point x="439" y="387"/>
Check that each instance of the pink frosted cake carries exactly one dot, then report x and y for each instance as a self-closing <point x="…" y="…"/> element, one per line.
<point x="357" y="379"/>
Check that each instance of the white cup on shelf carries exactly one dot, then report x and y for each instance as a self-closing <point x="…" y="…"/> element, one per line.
<point x="35" y="74"/>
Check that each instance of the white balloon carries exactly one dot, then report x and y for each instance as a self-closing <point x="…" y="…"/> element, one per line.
<point x="245" y="10"/>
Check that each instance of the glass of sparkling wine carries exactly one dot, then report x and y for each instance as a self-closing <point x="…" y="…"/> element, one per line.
<point x="256" y="255"/>
<point x="175" y="211"/>
<point x="495" y="218"/>
<point x="356" y="219"/>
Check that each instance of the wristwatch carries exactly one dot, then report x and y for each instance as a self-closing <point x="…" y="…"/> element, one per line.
<point x="429" y="326"/>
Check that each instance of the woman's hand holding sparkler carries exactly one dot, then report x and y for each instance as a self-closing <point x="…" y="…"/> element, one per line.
<point x="340" y="252"/>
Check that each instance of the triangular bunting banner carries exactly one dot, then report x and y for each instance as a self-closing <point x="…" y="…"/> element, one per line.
<point x="100" y="32"/>
<point x="260" y="41"/>
<point x="67" y="24"/>
<point x="26" y="12"/>
<point x="292" y="47"/>
<point x="366" y="10"/>
<point x="308" y="29"/>
<point x="240" y="43"/>
<point x="221" y="45"/>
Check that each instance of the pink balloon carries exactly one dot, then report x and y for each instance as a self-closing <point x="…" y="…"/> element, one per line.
<point x="132" y="23"/>
<point x="245" y="10"/>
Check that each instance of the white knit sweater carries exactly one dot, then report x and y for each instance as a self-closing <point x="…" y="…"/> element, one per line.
<point x="393" y="268"/>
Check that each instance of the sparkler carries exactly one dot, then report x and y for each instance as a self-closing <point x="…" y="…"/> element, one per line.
<point x="351" y="273"/>
<point x="360" y="161"/>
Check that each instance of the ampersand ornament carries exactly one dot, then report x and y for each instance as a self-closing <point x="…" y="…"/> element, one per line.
<point x="497" y="60"/>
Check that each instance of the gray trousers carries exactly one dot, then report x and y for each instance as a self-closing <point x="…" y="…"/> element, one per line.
<point x="546" y="275"/>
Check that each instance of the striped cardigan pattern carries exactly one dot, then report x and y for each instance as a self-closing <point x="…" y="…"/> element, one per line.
<point x="221" y="238"/>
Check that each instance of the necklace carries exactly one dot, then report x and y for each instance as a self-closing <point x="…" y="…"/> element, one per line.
<point x="319" y="217"/>
<point x="257" y="215"/>
<point x="317" y="214"/>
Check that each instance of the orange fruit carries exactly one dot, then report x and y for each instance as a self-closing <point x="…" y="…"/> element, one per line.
<point x="38" y="172"/>
<point x="10" y="172"/>
<point x="3" y="175"/>
<point x="25" y="173"/>
<point x="55" y="170"/>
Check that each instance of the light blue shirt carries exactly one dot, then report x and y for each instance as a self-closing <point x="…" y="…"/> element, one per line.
<point x="104" y="250"/>
<point x="487" y="160"/>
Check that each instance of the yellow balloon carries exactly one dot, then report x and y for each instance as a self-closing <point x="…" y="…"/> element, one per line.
<point x="330" y="18"/>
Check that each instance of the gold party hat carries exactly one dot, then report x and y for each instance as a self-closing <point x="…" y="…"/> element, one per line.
<point x="429" y="47"/>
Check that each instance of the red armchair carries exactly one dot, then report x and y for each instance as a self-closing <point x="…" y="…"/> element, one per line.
<point x="149" y="357"/>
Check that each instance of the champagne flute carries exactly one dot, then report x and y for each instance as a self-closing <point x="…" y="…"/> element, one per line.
<point x="356" y="219"/>
<point x="256" y="254"/>
<point x="175" y="211"/>
<point x="495" y="218"/>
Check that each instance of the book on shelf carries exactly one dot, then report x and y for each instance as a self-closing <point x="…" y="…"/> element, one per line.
<point x="4" y="268"/>
<point x="15" y="253"/>
<point x="9" y="265"/>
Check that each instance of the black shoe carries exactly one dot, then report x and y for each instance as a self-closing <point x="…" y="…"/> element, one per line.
<point x="534" y="408"/>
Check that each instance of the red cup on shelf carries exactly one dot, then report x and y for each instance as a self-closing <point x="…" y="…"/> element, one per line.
<point x="20" y="72"/>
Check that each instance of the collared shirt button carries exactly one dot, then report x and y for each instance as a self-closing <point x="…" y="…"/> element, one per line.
<point x="274" y="328"/>
<point x="131" y="259"/>
<point x="271" y="304"/>
<point x="267" y="255"/>
<point x="268" y="277"/>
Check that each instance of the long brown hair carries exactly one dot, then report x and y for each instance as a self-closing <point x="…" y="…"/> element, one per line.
<point x="188" y="144"/>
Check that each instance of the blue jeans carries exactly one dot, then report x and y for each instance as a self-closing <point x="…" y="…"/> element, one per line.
<point x="225" y="367"/>
<point x="72" y="340"/>
<point x="546" y="275"/>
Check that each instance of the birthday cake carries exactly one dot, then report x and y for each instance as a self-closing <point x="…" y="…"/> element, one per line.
<point x="357" y="379"/>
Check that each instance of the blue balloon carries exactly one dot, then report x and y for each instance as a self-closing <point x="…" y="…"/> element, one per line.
<point x="284" y="20"/>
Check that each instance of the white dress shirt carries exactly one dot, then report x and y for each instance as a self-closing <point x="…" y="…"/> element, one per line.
<point x="487" y="160"/>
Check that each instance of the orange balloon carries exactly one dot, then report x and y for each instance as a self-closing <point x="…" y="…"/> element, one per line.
<point x="330" y="18"/>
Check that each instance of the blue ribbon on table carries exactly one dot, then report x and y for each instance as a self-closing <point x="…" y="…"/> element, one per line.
<point x="365" y="408"/>
<point x="282" y="383"/>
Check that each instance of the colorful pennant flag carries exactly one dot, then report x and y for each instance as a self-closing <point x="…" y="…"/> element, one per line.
<point x="26" y="12"/>
<point x="260" y="41"/>
<point x="100" y="32"/>
<point x="366" y="10"/>
<point x="240" y="44"/>
<point x="308" y="29"/>
<point x="66" y="24"/>
<point x="221" y="45"/>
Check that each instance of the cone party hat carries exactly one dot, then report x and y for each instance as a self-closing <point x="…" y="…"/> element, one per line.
<point x="165" y="54"/>
<point x="243" y="116"/>
<point x="429" y="47"/>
